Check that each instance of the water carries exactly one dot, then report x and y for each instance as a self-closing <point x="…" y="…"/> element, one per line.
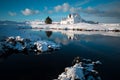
<point x="103" y="46"/>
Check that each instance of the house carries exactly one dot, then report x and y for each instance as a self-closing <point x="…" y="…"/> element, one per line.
<point x="72" y="19"/>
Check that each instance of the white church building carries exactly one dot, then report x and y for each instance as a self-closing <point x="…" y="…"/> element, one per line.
<point x="71" y="19"/>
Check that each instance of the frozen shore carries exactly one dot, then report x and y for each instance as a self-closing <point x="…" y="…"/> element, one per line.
<point x="79" y="26"/>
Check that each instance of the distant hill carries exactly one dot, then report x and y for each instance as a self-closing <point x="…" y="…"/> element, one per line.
<point x="11" y="23"/>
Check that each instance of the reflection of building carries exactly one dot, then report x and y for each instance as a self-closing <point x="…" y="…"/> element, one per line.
<point x="71" y="19"/>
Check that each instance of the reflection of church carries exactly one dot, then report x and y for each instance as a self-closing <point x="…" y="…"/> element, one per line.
<point x="72" y="19"/>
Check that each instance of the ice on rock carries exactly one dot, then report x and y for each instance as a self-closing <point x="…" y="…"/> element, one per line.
<point x="10" y="39"/>
<point x="75" y="72"/>
<point x="46" y="45"/>
<point x="21" y="44"/>
<point x="41" y="46"/>
<point x="72" y="73"/>
<point x="83" y="70"/>
<point x="18" y="38"/>
<point x="98" y="62"/>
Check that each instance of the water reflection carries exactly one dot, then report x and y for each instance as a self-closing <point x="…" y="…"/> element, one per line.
<point x="48" y="33"/>
<point x="76" y="35"/>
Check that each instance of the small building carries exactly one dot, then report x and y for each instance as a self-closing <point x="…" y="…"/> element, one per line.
<point x="72" y="19"/>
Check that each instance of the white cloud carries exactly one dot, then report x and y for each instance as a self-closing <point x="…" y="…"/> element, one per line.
<point x="12" y="13"/>
<point x="58" y="8"/>
<point x="72" y="9"/>
<point x="64" y="7"/>
<point x="104" y="10"/>
<point x="28" y="11"/>
<point x="75" y="10"/>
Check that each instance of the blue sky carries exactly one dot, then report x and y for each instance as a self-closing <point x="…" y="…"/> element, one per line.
<point x="95" y="10"/>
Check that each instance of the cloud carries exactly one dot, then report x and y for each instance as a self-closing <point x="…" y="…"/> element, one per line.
<point x="82" y="2"/>
<point x="64" y="7"/>
<point x="28" y="11"/>
<point x="75" y="10"/>
<point x="58" y="8"/>
<point x="12" y="13"/>
<point x="91" y="10"/>
<point x="105" y="10"/>
<point x="111" y="10"/>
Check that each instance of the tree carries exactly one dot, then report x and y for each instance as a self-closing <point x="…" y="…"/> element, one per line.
<point x="48" y="20"/>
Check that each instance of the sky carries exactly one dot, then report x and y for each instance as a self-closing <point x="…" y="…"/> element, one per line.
<point x="105" y="11"/>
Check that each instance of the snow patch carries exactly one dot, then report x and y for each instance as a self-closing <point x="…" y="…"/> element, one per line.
<point x="21" y="44"/>
<point x="83" y="70"/>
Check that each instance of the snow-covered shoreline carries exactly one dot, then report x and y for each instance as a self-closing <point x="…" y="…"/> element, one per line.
<point x="81" y="70"/>
<point x="79" y="26"/>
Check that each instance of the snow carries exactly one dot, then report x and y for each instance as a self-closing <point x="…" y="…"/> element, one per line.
<point x="83" y="70"/>
<point x="75" y="72"/>
<point x="20" y="44"/>
<point x="41" y="46"/>
<point x="18" y="38"/>
<point x="80" y="26"/>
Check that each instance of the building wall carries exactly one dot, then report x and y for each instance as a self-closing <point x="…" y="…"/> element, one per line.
<point x="72" y="19"/>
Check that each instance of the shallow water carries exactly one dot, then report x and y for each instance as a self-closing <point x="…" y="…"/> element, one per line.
<point x="103" y="46"/>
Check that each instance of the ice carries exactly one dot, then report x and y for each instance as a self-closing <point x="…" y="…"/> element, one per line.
<point x="83" y="70"/>
<point x="41" y="46"/>
<point x="20" y="44"/>
<point x="18" y="38"/>
<point x="75" y="72"/>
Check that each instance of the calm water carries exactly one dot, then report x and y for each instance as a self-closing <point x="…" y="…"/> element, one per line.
<point x="49" y="66"/>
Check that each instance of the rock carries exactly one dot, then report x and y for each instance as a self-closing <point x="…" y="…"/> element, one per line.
<point x="80" y="71"/>
<point x="22" y="45"/>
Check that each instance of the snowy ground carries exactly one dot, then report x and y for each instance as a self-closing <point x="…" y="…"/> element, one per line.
<point x="79" y="26"/>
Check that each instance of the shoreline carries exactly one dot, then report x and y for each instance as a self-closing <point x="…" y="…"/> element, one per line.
<point x="78" y="27"/>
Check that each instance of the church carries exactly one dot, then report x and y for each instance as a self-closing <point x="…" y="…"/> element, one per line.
<point x="72" y="19"/>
